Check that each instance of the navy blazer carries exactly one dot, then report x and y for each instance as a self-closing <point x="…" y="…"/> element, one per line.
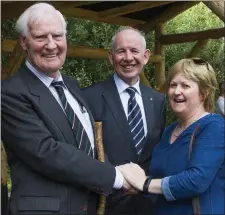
<point x="49" y="174"/>
<point x="106" y="106"/>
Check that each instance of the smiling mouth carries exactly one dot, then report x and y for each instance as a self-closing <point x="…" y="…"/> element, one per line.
<point x="128" y="66"/>
<point x="50" y="56"/>
<point x="179" y="100"/>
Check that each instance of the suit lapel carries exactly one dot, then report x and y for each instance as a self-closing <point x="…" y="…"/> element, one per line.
<point x="48" y="104"/>
<point x="75" y="91"/>
<point x="112" y="99"/>
<point x="148" y="103"/>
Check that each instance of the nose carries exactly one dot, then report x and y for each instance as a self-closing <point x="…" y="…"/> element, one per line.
<point x="128" y="56"/>
<point x="177" y="90"/>
<point x="50" y="42"/>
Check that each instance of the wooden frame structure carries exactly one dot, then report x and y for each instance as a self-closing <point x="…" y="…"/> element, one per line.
<point x="144" y="15"/>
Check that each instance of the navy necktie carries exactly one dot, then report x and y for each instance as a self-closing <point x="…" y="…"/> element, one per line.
<point x="77" y="127"/>
<point x="135" y="121"/>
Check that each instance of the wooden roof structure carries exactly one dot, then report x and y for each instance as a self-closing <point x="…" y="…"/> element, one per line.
<point x="143" y="15"/>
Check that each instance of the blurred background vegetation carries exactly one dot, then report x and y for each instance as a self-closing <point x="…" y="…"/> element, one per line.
<point x="98" y="35"/>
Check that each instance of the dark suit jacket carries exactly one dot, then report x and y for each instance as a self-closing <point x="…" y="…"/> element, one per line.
<point x="106" y="106"/>
<point x="49" y="174"/>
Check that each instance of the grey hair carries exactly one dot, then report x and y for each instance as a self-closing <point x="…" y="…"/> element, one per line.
<point x="34" y="13"/>
<point x="123" y="28"/>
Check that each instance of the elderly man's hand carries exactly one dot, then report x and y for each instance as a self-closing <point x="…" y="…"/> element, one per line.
<point x="133" y="174"/>
<point x="128" y="189"/>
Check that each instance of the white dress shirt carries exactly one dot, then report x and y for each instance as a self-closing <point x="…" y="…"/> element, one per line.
<point x="124" y="97"/>
<point x="81" y="114"/>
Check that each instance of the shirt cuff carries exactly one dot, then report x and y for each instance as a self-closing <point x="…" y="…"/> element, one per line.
<point x="118" y="183"/>
<point x="166" y="189"/>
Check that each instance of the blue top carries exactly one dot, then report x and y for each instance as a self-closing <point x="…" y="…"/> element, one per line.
<point x="203" y="176"/>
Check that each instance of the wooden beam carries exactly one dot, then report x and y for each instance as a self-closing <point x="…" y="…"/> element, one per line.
<point x="172" y="11"/>
<point x="217" y="7"/>
<point x="130" y="8"/>
<point x="144" y="80"/>
<point x="92" y="15"/>
<point x="77" y="51"/>
<point x="8" y="45"/>
<point x="193" y="36"/>
<point x="15" y="9"/>
<point x="14" y="62"/>
<point x="77" y="3"/>
<point x="86" y="52"/>
<point x="159" y="50"/>
<point x="197" y="48"/>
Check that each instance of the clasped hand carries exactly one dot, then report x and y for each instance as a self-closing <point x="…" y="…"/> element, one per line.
<point x="134" y="178"/>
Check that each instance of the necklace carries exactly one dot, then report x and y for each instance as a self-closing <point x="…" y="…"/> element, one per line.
<point x="182" y="128"/>
<point x="178" y="133"/>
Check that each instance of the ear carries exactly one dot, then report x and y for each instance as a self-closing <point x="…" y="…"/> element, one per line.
<point x="23" y="42"/>
<point x="146" y="56"/>
<point x="203" y="96"/>
<point x="110" y="56"/>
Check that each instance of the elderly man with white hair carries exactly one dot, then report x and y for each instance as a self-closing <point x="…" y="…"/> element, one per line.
<point x="47" y="127"/>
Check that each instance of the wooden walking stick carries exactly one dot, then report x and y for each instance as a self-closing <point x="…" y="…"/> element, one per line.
<point x="101" y="157"/>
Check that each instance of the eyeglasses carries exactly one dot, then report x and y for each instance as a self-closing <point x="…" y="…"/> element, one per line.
<point x="199" y="61"/>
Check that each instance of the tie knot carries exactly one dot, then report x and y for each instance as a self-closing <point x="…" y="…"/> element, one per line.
<point x="131" y="91"/>
<point x="57" y="84"/>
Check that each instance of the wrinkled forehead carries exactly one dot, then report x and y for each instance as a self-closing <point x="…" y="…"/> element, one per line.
<point x="48" y="22"/>
<point x="129" y="36"/>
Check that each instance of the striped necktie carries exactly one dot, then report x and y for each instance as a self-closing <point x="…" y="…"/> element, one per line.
<point x="135" y="121"/>
<point x="77" y="127"/>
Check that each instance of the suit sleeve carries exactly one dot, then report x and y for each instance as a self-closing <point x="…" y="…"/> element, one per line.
<point x="27" y="137"/>
<point x="206" y="159"/>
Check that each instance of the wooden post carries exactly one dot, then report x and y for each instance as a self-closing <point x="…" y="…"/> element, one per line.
<point x="159" y="50"/>
<point x="197" y="48"/>
<point x="101" y="157"/>
<point x="217" y="7"/>
<point x="14" y="62"/>
<point x="4" y="178"/>
<point x="144" y="80"/>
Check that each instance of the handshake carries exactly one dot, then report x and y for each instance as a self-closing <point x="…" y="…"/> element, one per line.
<point x="134" y="178"/>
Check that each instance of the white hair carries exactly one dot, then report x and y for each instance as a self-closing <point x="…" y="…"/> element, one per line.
<point x="123" y="28"/>
<point x="35" y="13"/>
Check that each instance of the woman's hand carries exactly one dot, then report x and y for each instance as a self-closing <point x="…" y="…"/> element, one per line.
<point x="134" y="174"/>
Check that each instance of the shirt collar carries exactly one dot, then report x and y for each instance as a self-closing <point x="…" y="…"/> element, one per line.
<point x="43" y="77"/>
<point x="122" y="86"/>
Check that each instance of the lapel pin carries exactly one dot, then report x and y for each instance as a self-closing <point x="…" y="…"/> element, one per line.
<point x="151" y="99"/>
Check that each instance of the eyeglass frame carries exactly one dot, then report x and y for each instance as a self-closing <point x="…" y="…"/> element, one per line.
<point x="199" y="61"/>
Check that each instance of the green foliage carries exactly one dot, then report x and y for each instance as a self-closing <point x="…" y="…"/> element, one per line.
<point x="195" y="19"/>
<point x="98" y="35"/>
<point x="91" y="34"/>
